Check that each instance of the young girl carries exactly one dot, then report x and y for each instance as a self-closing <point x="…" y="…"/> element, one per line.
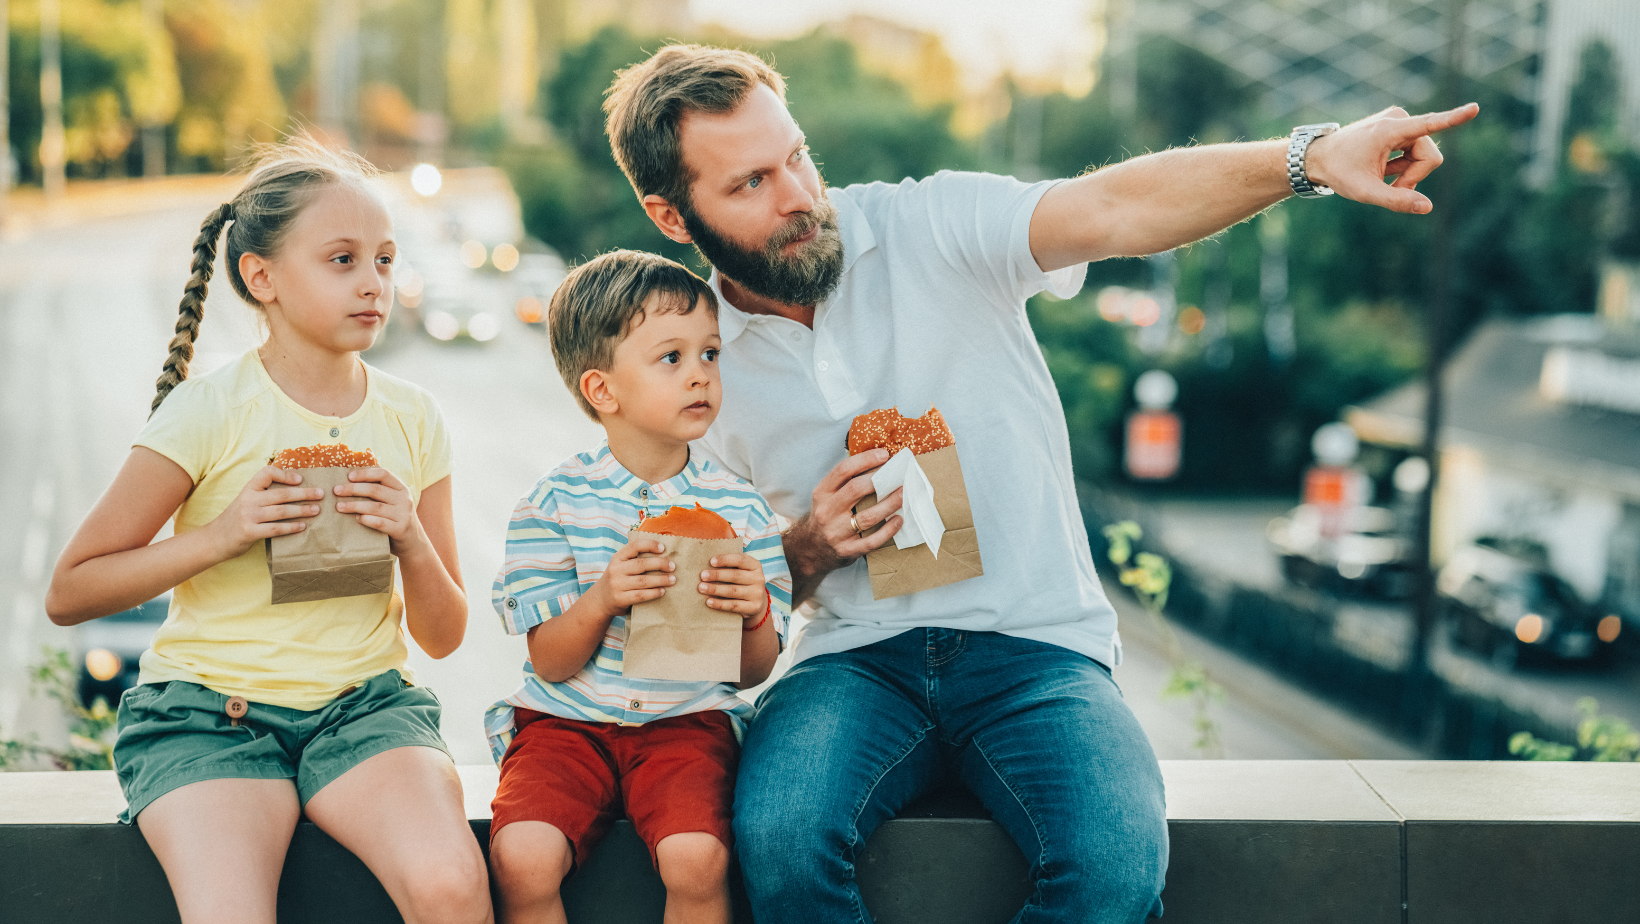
<point x="249" y="715"/>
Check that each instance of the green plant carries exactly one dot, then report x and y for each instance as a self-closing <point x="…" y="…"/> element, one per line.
<point x="91" y="729"/>
<point x="1150" y="578"/>
<point x="1603" y="738"/>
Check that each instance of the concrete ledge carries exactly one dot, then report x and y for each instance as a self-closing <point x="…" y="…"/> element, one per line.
<point x="1361" y="842"/>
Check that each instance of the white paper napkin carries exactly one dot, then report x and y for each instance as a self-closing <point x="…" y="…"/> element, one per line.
<point x="922" y="518"/>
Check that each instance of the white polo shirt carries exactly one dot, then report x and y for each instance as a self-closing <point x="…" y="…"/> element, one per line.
<point x="930" y="310"/>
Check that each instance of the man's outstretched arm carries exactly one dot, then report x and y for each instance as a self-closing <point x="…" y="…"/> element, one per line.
<point x="1164" y="200"/>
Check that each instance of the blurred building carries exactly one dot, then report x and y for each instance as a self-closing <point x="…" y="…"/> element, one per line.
<point x="1570" y="26"/>
<point x="1541" y="444"/>
<point x="1343" y="59"/>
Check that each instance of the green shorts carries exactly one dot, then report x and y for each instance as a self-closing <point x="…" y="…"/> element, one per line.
<point x="175" y="733"/>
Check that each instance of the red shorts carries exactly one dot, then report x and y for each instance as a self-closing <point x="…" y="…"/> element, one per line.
<point x="669" y="776"/>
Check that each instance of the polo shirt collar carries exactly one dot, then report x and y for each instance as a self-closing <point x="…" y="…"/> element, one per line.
<point x="857" y="239"/>
<point x="632" y="485"/>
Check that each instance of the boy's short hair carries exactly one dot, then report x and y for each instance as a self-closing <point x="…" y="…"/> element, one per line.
<point x="647" y="102"/>
<point x="595" y="306"/>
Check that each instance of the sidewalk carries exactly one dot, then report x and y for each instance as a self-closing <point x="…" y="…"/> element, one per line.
<point x="95" y="200"/>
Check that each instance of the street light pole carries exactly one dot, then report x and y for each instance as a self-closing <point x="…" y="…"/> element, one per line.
<point x="153" y="133"/>
<point x="51" y="99"/>
<point x="5" y="109"/>
<point x="1418" y="695"/>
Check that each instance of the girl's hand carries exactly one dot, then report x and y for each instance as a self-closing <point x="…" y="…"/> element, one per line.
<point x="264" y="509"/>
<point x="736" y="586"/>
<point x="386" y="507"/>
<point x="637" y="574"/>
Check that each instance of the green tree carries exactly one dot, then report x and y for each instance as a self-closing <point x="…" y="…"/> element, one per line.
<point x="116" y="74"/>
<point x="861" y="127"/>
<point x="573" y="194"/>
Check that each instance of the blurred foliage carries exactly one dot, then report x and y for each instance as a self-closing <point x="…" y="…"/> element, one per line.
<point x="1150" y="577"/>
<point x="1599" y="738"/>
<point x="116" y="76"/>
<point x="90" y="729"/>
<point x="861" y="126"/>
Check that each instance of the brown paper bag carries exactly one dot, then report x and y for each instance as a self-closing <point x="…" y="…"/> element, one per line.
<point x="896" y="572"/>
<point x="335" y="556"/>
<point x="679" y="637"/>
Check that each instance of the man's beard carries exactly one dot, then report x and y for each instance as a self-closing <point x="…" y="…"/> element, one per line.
<point x="803" y="279"/>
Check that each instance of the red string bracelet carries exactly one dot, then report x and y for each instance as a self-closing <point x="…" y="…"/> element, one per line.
<point x="767" y="609"/>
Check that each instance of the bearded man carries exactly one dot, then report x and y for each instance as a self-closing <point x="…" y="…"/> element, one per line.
<point x="835" y="302"/>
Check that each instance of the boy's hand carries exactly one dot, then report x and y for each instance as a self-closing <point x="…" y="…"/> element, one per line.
<point x="386" y="507"/>
<point x="270" y="505"/>
<point x="637" y="574"/>
<point x="735" y="586"/>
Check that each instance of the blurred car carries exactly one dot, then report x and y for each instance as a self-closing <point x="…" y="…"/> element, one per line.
<point x="535" y="280"/>
<point x="1362" y="553"/>
<point x="107" y="649"/>
<point x="471" y="311"/>
<point x="1503" y="601"/>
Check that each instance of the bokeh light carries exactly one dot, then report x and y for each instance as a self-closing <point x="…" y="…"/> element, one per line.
<point x="412" y="285"/>
<point x="473" y="254"/>
<point x="426" y="179"/>
<point x="1609" y="628"/>
<point x="1192" y="320"/>
<point x="1112" y="303"/>
<point x="1530" y="628"/>
<point x="483" y="326"/>
<point x="529" y="310"/>
<point x="103" y="664"/>
<point x="1144" y="311"/>
<point x="505" y="257"/>
<point x="442" y="325"/>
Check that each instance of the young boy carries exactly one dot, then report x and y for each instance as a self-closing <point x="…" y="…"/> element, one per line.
<point x="635" y="337"/>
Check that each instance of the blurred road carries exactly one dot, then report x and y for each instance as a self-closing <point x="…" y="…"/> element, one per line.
<point x="1226" y="538"/>
<point x="86" y="307"/>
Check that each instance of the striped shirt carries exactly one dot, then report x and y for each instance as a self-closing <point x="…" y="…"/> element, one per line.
<point x="561" y="538"/>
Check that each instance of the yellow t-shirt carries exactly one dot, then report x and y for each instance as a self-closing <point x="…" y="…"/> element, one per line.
<point x="223" y="632"/>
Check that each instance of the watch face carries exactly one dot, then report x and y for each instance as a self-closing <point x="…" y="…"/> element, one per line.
<point x="1316" y="128"/>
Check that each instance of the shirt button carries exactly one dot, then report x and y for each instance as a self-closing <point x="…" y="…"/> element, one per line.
<point x="512" y="603"/>
<point x="797" y="335"/>
<point x="636" y="704"/>
<point x="824" y="365"/>
<point x="644" y="493"/>
<point x="335" y="431"/>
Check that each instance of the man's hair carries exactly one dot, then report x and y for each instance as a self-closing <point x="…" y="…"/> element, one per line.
<point x="600" y="302"/>
<point x="647" y="102"/>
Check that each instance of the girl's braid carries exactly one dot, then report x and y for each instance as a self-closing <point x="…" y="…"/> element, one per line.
<point x="192" y="309"/>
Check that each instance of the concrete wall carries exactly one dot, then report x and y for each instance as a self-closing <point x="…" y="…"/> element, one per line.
<point x="1253" y="842"/>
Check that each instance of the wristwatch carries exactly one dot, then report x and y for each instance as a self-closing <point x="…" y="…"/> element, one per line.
<point x="1297" y="150"/>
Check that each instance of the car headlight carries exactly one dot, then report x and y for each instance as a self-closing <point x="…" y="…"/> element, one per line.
<point x="103" y="664"/>
<point x="442" y="325"/>
<point x="1529" y="628"/>
<point x="483" y="326"/>
<point x="1610" y="627"/>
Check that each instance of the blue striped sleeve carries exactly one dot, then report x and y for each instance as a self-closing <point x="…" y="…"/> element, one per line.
<point x="538" y="578"/>
<point x="763" y="543"/>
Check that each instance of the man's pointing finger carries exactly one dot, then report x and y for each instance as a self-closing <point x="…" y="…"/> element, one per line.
<point x="1432" y="122"/>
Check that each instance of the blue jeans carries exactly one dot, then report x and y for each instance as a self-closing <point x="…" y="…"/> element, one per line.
<point x="1039" y="733"/>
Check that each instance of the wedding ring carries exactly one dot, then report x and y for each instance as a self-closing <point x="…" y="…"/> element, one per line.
<point x="855" y="525"/>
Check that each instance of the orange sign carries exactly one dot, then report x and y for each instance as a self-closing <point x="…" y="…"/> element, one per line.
<point x="1154" y="439"/>
<point x="1326" y="485"/>
<point x="1334" y="489"/>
